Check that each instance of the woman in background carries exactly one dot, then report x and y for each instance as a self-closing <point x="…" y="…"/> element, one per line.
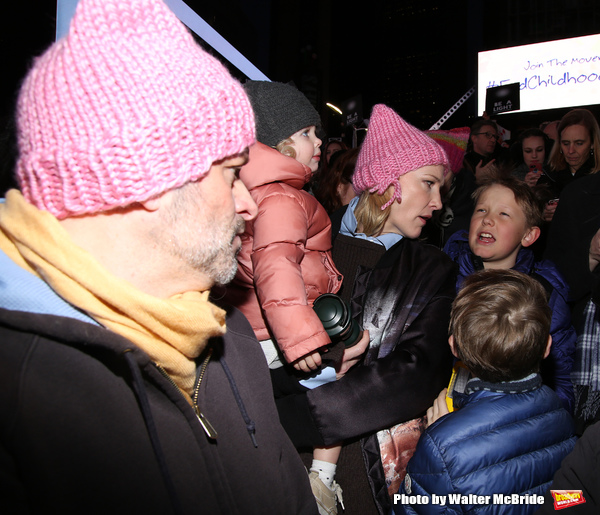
<point x="530" y="154"/>
<point x="575" y="154"/>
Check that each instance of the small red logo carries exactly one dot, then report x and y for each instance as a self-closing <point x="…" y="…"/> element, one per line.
<point x="566" y="498"/>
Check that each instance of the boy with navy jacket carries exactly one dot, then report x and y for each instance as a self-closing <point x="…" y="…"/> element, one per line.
<point x="508" y="433"/>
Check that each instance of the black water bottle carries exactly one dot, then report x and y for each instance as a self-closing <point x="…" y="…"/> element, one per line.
<point x="336" y="319"/>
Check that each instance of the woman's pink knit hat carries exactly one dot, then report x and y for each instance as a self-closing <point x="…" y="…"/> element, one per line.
<point x="392" y="148"/>
<point x="125" y="107"/>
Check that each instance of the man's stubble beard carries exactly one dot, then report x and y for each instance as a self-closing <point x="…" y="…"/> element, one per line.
<point x="221" y="265"/>
<point x="213" y="253"/>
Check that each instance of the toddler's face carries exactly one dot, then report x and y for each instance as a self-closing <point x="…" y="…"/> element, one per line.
<point x="498" y="228"/>
<point x="307" y="147"/>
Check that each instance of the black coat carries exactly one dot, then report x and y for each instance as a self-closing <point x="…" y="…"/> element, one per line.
<point x="556" y="180"/>
<point x="405" y="304"/>
<point x="576" y="220"/>
<point x="88" y="424"/>
<point x="579" y="472"/>
<point x="404" y="301"/>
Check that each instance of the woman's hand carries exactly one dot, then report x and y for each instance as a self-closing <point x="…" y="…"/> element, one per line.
<point x="531" y="178"/>
<point x="549" y="209"/>
<point x="308" y="362"/>
<point x="439" y="408"/>
<point x="353" y="355"/>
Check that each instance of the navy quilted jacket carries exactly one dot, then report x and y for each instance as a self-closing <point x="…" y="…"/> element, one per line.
<point x="496" y="443"/>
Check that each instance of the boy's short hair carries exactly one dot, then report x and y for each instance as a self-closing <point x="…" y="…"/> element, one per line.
<point x="527" y="200"/>
<point x="500" y="321"/>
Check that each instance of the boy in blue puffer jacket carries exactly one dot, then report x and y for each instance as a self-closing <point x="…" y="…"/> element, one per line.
<point x="498" y="451"/>
<point x="505" y="222"/>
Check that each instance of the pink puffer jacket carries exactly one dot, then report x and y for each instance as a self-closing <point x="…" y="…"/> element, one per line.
<point x="285" y="261"/>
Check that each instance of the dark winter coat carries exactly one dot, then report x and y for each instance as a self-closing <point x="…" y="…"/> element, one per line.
<point x="89" y="424"/>
<point x="575" y="222"/>
<point x="404" y="301"/>
<point x="557" y="180"/>
<point x="579" y="471"/>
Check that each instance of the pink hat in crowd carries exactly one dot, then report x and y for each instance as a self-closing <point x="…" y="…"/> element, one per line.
<point x="125" y="107"/>
<point x="392" y="148"/>
<point x="454" y="142"/>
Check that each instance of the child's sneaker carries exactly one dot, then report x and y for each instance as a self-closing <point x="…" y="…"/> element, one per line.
<point x="325" y="496"/>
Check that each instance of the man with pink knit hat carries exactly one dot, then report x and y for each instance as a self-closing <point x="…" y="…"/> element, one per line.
<point x="124" y="389"/>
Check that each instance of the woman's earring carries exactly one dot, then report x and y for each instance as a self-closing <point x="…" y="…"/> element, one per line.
<point x="592" y="152"/>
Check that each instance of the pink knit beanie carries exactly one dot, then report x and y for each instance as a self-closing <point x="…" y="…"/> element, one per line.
<point x="454" y="142"/>
<point x="125" y="107"/>
<point x="392" y="148"/>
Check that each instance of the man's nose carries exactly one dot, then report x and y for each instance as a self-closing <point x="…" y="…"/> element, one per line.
<point x="244" y="203"/>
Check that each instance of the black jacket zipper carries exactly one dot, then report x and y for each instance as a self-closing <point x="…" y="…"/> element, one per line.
<point x="204" y="422"/>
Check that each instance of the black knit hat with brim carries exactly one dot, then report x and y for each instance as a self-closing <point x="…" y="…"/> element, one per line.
<point x="280" y="110"/>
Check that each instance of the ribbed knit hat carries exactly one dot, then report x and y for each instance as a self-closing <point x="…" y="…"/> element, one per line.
<point x="280" y="110"/>
<point x="125" y="107"/>
<point x="454" y="142"/>
<point x="392" y="148"/>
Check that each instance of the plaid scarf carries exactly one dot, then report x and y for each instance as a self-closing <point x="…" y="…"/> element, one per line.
<point x="586" y="371"/>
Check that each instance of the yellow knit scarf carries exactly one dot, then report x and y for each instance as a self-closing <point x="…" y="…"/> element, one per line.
<point x="173" y="332"/>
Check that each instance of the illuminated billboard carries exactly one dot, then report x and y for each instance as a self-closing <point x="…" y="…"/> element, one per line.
<point x="554" y="74"/>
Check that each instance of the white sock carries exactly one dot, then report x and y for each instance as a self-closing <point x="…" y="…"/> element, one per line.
<point x="325" y="470"/>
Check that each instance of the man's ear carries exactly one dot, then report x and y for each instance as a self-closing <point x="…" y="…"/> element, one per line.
<point x="548" y="346"/>
<point x="530" y="237"/>
<point x="452" y="345"/>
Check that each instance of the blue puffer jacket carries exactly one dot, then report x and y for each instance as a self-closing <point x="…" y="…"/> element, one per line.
<point x="496" y="443"/>
<point x="556" y="369"/>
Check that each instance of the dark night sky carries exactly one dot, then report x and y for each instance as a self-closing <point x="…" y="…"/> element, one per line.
<point x="332" y="52"/>
<point x="418" y="56"/>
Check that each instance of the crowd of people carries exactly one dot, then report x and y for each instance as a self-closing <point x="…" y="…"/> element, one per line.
<point x="161" y="258"/>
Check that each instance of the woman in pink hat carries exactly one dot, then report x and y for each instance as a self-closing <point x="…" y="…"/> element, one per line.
<point x="401" y="291"/>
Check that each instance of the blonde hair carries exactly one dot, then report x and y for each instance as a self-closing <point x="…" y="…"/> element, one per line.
<point x="286" y="148"/>
<point x="370" y="217"/>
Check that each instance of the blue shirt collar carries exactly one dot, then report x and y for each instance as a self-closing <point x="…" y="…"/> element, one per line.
<point x="349" y="224"/>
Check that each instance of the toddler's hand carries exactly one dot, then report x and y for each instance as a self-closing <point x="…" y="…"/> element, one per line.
<point x="308" y="362"/>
